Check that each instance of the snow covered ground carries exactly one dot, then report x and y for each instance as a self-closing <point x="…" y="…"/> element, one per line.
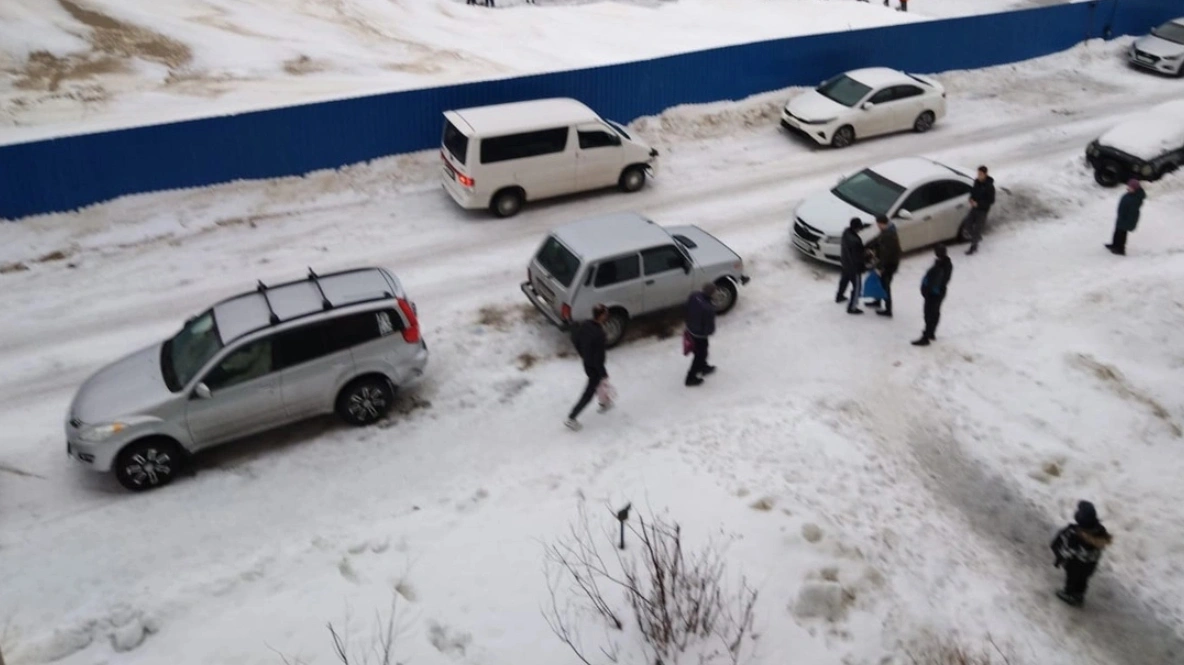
<point x="71" y="66"/>
<point x="933" y="477"/>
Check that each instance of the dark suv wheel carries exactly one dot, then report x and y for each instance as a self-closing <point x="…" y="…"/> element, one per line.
<point x="1109" y="174"/>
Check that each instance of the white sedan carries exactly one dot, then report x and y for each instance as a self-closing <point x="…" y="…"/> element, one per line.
<point x="1162" y="50"/>
<point x="928" y="202"/>
<point x="865" y="102"/>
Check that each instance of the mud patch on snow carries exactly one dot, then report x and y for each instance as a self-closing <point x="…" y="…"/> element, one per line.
<point x="125" y="40"/>
<point x="448" y="641"/>
<point x="304" y="65"/>
<point x="46" y="72"/>
<point x="1115" y="381"/>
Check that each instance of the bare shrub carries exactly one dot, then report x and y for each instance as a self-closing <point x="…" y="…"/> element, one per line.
<point x="676" y="599"/>
<point x="380" y="650"/>
<point x="950" y="651"/>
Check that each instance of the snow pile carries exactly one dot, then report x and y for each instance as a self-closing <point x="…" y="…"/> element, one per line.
<point x="1149" y="135"/>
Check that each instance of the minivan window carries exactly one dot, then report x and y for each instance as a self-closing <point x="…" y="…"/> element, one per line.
<point x="183" y="356"/>
<point x="250" y="361"/>
<point x="593" y="139"/>
<point x="455" y="142"/>
<point x="619" y="270"/>
<point x="519" y="146"/>
<point x="844" y="90"/>
<point x="558" y="261"/>
<point x="869" y="191"/>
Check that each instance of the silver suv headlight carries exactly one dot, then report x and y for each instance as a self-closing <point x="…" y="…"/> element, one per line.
<point x="98" y="433"/>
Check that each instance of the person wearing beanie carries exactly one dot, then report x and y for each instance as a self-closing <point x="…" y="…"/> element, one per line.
<point x="1128" y="216"/>
<point x="1078" y="547"/>
<point x="933" y="290"/>
<point x="853" y="261"/>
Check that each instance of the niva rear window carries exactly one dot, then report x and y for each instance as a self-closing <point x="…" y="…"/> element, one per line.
<point x="559" y="261"/>
<point x="455" y="142"/>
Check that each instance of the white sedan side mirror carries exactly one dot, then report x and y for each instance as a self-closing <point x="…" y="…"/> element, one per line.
<point x="202" y="391"/>
<point x="867" y="106"/>
<point x="904" y="214"/>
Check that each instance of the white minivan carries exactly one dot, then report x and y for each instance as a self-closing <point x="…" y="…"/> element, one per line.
<point x="500" y="156"/>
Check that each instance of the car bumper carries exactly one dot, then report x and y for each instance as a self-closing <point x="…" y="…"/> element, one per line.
<point x="814" y="245"/>
<point x="1159" y="65"/>
<point x="535" y="299"/>
<point x="820" y="134"/>
<point x="464" y="197"/>
<point x="94" y="456"/>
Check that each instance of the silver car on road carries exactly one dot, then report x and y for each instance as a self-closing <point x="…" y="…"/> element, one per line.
<point x="631" y="265"/>
<point x="342" y="342"/>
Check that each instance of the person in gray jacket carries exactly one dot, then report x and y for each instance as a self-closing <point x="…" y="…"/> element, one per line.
<point x="700" y="326"/>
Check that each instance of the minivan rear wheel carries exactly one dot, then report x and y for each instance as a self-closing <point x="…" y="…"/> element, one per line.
<point x="632" y="179"/>
<point x="506" y="203"/>
<point x="725" y="296"/>
<point x="365" y="401"/>
<point x="148" y="464"/>
<point x="614" y="327"/>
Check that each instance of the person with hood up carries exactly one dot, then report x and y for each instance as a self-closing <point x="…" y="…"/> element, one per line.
<point x="933" y="290"/>
<point x="591" y="344"/>
<point x="852" y="260"/>
<point x="889" y="260"/>
<point x="982" y="197"/>
<point x="700" y="326"/>
<point x="1078" y="547"/>
<point x="1128" y="216"/>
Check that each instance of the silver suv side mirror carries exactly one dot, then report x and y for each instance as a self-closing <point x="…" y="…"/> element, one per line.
<point x="202" y="391"/>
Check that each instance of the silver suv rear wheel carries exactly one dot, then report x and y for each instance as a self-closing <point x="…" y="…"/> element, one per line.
<point x="365" y="401"/>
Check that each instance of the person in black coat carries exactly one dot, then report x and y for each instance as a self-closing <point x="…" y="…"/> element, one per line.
<point x="888" y="256"/>
<point x="1128" y="216"/>
<point x="982" y="197"/>
<point x="591" y="344"/>
<point x="933" y="290"/>
<point x="700" y="326"/>
<point x="853" y="261"/>
<point x="1078" y="547"/>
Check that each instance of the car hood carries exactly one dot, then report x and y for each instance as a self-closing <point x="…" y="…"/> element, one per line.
<point x="1157" y="46"/>
<point x="830" y="214"/>
<point x="126" y="387"/>
<point x="813" y="106"/>
<point x="708" y="250"/>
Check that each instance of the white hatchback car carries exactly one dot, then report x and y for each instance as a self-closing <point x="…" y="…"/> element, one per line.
<point x="927" y="200"/>
<point x="865" y="102"/>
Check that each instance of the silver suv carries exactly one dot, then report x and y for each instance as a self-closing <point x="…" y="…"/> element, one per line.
<point x="630" y="264"/>
<point x="341" y="342"/>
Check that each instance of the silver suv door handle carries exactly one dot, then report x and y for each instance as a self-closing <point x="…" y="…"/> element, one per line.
<point x="649" y="281"/>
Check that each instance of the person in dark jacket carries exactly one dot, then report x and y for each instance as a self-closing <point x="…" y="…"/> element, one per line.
<point x="933" y="290"/>
<point x="590" y="343"/>
<point x="700" y="326"/>
<point x="852" y="260"/>
<point x="1078" y="547"/>
<point x="1128" y="216"/>
<point x="982" y="197"/>
<point x="889" y="259"/>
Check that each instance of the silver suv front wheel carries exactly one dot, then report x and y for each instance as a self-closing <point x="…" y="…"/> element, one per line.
<point x="147" y="464"/>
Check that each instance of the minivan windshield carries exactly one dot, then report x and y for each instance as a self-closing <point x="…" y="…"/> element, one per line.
<point x="183" y="356"/>
<point x="620" y="130"/>
<point x="559" y="261"/>
<point x="869" y="191"/>
<point x="455" y="142"/>
<point x="1171" y="31"/>
<point x="844" y="90"/>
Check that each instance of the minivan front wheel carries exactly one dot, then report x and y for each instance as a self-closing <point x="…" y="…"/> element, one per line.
<point x="725" y="296"/>
<point x="632" y="179"/>
<point x="147" y="464"/>
<point x="614" y="327"/>
<point x="506" y="203"/>
<point x="365" y="401"/>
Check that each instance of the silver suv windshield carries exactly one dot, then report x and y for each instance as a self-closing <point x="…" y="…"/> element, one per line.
<point x="186" y="353"/>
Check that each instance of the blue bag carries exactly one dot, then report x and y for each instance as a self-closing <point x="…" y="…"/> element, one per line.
<point x="873" y="288"/>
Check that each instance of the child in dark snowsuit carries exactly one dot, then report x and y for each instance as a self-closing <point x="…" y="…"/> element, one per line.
<point x="1078" y="547"/>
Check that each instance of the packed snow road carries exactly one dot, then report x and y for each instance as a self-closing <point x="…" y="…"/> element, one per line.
<point x="277" y="535"/>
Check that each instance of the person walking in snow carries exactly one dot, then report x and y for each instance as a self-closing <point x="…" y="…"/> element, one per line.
<point x="982" y="197"/>
<point x="889" y="258"/>
<point x="1128" y="216"/>
<point x="591" y="344"/>
<point x="852" y="260"/>
<point x="1078" y="547"/>
<point x="933" y="290"/>
<point x="700" y="326"/>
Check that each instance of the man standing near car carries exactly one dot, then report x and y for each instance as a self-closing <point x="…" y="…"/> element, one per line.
<point x="889" y="256"/>
<point x="700" y="326"/>
<point x="933" y="290"/>
<point x="591" y="344"/>
<point x="982" y="197"/>
<point x="852" y="259"/>
<point x="1128" y="216"/>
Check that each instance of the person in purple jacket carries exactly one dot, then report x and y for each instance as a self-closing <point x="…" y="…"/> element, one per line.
<point x="700" y="326"/>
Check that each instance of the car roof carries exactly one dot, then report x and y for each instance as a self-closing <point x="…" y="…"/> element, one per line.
<point x="880" y="76"/>
<point x="594" y="238"/>
<point x="501" y="119"/>
<point x="909" y="170"/>
<point x="247" y="312"/>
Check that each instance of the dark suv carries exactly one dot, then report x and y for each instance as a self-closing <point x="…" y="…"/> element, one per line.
<point x="1146" y="147"/>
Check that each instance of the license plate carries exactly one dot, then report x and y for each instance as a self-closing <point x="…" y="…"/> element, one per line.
<point x="1142" y="58"/>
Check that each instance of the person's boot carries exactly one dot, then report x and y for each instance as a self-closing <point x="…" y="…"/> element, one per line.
<point x="708" y="370"/>
<point x="1117" y="251"/>
<point x="885" y="312"/>
<point x="876" y="303"/>
<point x="924" y="341"/>
<point x="973" y="249"/>
<point x="605" y="407"/>
<point x="840" y="298"/>
<point x="1070" y="599"/>
<point x="573" y="424"/>
<point x="694" y="381"/>
<point x="854" y="310"/>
